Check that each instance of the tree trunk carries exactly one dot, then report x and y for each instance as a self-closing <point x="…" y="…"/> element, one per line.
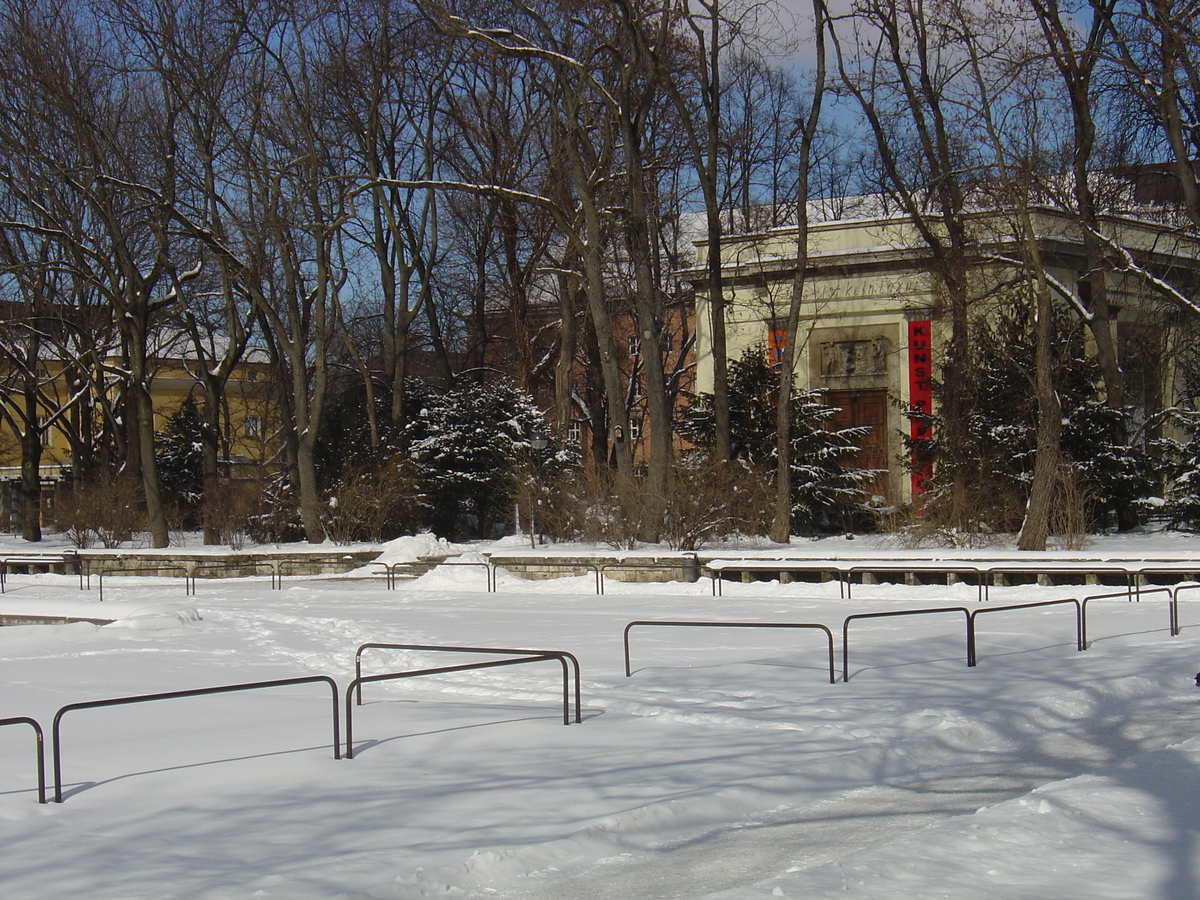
<point x="210" y="454"/>
<point x="1044" y="495"/>
<point x="141" y="404"/>
<point x="31" y="459"/>
<point x="156" y="514"/>
<point x="781" y="520"/>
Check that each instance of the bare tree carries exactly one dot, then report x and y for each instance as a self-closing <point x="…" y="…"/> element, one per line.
<point x="607" y="70"/>
<point x="711" y="36"/>
<point x="389" y="77"/>
<point x="104" y="137"/>
<point x="1157" y="49"/>
<point x="759" y="156"/>
<point x="284" y="202"/>
<point x="30" y="330"/>
<point x="808" y="127"/>
<point x="1011" y="109"/>
<point x="905" y="77"/>
<point x="191" y="51"/>
<point x="498" y="133"/>
<point x="1077" y="58"/>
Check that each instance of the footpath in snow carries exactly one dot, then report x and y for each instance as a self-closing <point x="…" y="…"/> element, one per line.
<point x="726" y="766"/>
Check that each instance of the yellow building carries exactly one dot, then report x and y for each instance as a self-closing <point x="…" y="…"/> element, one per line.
<point x="71" y="414"/>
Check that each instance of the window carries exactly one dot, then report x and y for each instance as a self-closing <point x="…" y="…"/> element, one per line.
<point x="635" y="429"/>
<point x="575" y="432"/>
<point x="634" y="345"/>
<point x="252" y="427"/>
<point x="43" y="424"/>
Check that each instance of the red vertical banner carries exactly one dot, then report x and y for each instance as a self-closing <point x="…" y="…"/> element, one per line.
<point x="920" y="396"/>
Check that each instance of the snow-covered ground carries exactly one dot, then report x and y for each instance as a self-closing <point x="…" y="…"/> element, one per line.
<point x="727" y="766"/>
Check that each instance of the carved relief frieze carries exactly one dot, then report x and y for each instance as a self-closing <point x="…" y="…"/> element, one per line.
<point x="842" y="359"/>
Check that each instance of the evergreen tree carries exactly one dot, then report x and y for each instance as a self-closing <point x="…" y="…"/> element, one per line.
<point x="1181" y="459"/>
<point x="827" y="493"/>
<point x="345" y="442"/>
<point x="1182" y="506"/>
<point x="1000" y="435"/>
<point x="179" y="453"/>
<point x="473" y="446"/>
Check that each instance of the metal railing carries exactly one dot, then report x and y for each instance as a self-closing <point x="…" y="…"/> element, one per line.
<point x="944" y="569"/>
<point x="56" y="748"/>
<point x="984" y="573"/>
<point x="687" y="566"/>
<point x="189" y="578"/>
<point x="488" y="568"/>
<point x="1172" y="606"/>
<point x="47" y="560"/>
<point x="515" y="658"/>
<point x="558" y="567"/>
<point x="197" y="569"/>
<point x="904" y="612"/>
<point x="39" y="743"/>
<point x="1086" y="570"/>
<point x="392" y="571"/>
<point x="973" y="643"/>
<point x="1177" y="572"/>
<point x="681" y="624"/>
<point x="1178" y="588"/>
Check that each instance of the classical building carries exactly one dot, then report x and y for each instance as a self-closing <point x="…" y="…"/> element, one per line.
<point x="873" y="323"/>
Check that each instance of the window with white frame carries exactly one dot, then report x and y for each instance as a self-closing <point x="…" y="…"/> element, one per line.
<point x="575" y="432"/>
<point x="252" y="427"/>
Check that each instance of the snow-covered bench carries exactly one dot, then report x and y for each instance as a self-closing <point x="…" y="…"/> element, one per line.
<point x="30" y="562"/>
<point x="1130" y="574"/>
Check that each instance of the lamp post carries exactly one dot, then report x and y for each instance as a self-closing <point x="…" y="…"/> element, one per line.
<point x="537" y="443"/>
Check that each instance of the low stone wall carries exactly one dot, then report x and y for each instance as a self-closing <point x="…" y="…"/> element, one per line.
<point x="235" y="564"/>
<point x="641" y="569"/>
<point x="49" y="620"/>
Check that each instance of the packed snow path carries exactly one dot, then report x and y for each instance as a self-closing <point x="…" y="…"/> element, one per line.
<point x="726" y="766"/>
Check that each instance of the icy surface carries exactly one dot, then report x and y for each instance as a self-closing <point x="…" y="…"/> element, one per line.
<point x="727" y="766"/>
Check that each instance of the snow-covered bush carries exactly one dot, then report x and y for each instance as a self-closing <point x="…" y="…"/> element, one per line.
<point x="374" y="502"/>
<point x="584" y="504"/>
<point x="277" y="517"/>
<point x="473" y="448"/>
<point x="708" y="499"/>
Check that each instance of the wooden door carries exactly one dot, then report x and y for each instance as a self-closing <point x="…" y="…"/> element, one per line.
<point x="865" y="409"/>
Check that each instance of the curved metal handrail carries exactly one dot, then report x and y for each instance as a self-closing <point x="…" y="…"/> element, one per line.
<point x="39" y="746"/>
<point x="903" y="612"/>
<point x="173" y="695"/>
<point x="1079" y="631"/>
<point x="690" y="624"/>
<point x="516" y="657"/>
<point x="1172" y="608"/>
